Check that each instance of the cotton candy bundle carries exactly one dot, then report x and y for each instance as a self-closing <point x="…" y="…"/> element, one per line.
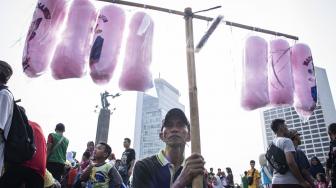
<point x="305" y="95"/>
<point x="106" y="43"/>
<point x="136" y="75"/>
<point x="280" y="74"/>
<point x="73" y="51"/>
<point x="42" y="36"/>
<point x="255" y="88"/>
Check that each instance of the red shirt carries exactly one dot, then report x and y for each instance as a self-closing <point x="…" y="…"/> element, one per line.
<point x="38" y="162"/>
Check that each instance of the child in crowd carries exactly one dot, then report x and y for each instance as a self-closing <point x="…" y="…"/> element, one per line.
<point x="100" y="173"/>
<point x="321" y="181"/>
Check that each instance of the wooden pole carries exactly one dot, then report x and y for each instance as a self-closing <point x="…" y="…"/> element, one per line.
<point x="193" y="101"/>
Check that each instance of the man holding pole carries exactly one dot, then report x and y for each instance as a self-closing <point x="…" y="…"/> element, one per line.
<point x="168" y="168"/>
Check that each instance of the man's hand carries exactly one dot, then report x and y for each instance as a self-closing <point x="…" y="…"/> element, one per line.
<point x="194" y="166"/>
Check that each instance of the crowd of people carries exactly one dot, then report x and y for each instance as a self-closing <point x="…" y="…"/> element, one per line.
<point x="300" y="171"/>
<point x="53" y="166"/>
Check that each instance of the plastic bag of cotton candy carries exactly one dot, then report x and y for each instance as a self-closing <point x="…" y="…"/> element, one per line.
<point x="280" y="83"/>
<point x="255" y="78"/>
<point x="106" y="43"/>
<point x="136" y="75"/>
<point x="42" y="35"/>
<point x="72" y="53"/>
<point x="305" y="93"/>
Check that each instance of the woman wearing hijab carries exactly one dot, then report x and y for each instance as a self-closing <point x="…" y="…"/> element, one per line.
<point x="315" y="167"/>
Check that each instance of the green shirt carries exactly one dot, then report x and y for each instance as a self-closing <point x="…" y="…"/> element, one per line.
<point x="58" y="154"/>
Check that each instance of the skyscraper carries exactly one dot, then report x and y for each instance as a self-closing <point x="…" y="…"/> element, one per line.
<point x="150" y="112"/>
<point x="315" y="139"/>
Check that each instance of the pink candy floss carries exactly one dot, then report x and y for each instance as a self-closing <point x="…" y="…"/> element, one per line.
<point x="106" y="43"/>
<point x="305" y="94"/>
<point x="42" y="36"/>
<point x="280" y="74"/>
<point x="254" y="88"/>
<point x="136" y="75"/>
<point x="72" y="53"/>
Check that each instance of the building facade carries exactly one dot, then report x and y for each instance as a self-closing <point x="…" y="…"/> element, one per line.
<point x="315" y="139"/>
<point x="150" y="112"/>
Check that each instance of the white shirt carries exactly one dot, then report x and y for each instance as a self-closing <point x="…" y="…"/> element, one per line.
<point x="6" y="114"/>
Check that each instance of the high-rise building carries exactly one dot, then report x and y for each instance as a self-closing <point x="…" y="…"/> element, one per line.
<point x="150" y="112"/>
<point x="315" y="139"/>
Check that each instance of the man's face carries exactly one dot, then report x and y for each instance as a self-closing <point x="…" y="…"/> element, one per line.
<point x="175" y="132"/>
<point x="126" y="144"/>
<point x="90" y="146"/>
<point x="298" y="139"/>
<point x="252" y="165"/>
<point x="99" y="152"/>
<point x="284" y="129"/>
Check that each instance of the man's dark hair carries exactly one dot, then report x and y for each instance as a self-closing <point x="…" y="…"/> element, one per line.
<point x="6" y="72"/>
<point x="252" y="161"/>
<point x="276" y="124"/>
<point x="128" y="140"/>
<point x="60" y="127"/>
<point x="108" y="149"/>
<point x="90" y="143"/>
<point x="87" y="154"/>
<point x="332" y="128"/>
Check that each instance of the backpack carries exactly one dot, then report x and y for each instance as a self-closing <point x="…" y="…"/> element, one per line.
<point x="19" y="145"/>
<point x="277" y="159"/>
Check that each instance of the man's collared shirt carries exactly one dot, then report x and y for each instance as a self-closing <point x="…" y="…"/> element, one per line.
<point x="155" y="172"/>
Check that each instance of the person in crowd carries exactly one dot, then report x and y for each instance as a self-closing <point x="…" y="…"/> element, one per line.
<point x="331" y="161"/>
<point x="244" y="180"/>
<point x="300" y="157"/>
<point x="211" y="173"/>
<point x="207" y="179"/>
<point x="292" y="178"/>
<point x="127" y="161"/>
<point x="30" y="173"/>
<point x="57" y="145"/>
<point x="219" y="172"/>
<point x="321" y="181"/>
<point x="85" y="161"/>
<point x="100" y="174"/>
<point x="229" y="178"/>
<point x="169" y="168"/>
<point x="50" y="181"/>
<point x="90" y="147"/>
<point x="265" y="172"/>
<point x="316" y="167"/>
<point x="216" y="182"/>
<point x="112" y="159"/>
<point x="253" y="176"/>
<point x="6" y="108"/>
<point x="224" y="179"/>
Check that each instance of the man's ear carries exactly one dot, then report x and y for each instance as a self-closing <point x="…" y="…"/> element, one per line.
<point x="188" y="137"/>
<point x="161" y="136"/>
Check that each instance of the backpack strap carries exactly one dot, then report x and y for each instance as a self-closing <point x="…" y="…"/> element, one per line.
<point x="55" y="146"/>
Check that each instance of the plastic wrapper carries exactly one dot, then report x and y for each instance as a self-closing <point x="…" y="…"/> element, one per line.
<point x="136" y="75"/>
<point x="72" y="53"/>
<point x="254" y="86"/>
<point x="281" y="88"/>
<point x="106" y="43"/>
<point x="305" y="94"/>
<point x="41" y="39"/>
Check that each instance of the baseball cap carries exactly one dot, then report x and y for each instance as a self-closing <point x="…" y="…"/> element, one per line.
<point x="292" y="133"/>
<point x="175" y="113"/>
